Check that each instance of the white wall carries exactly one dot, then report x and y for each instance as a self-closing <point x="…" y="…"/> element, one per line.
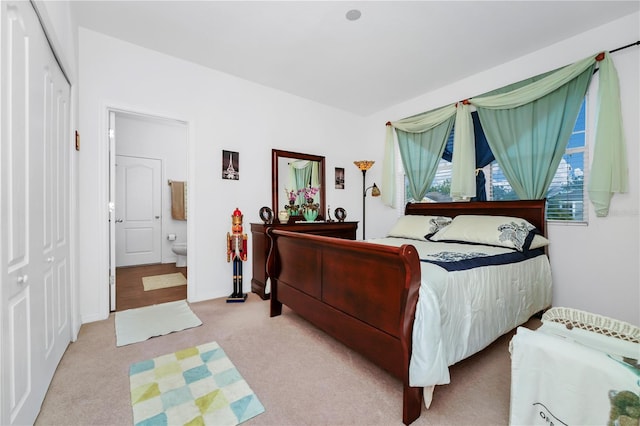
<point x="595" y="267"/>
<point x="223" y="113"/>
<point x="164" y="140"/>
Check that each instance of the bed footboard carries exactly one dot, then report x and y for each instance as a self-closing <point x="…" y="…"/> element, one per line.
<point x="362" y="294"/>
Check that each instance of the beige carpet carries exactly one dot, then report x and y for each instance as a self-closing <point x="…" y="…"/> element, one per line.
<point x="156" y="282"/>
<point x="302" y="376"/>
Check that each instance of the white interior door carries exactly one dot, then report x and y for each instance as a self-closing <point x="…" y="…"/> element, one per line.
<point x="35" y="266"/>
<point x="138" y="211"/>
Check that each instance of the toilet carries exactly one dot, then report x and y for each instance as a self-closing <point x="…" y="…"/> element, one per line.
<point x="180" y="249"/>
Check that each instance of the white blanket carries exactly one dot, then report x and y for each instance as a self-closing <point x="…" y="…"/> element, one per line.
<point x="461" y="312"/>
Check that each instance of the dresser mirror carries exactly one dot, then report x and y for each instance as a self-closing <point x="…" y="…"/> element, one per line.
<point x="283" y="164"/>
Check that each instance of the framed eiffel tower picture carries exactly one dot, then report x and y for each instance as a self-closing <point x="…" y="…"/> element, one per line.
<point x="230" y="165"/>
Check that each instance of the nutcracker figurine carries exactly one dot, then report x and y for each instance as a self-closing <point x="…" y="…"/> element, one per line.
<point x="237" y="250"/>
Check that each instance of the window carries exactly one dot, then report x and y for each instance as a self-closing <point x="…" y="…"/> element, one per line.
<point x="566" y="194"/>
<point x="440" y="187"/>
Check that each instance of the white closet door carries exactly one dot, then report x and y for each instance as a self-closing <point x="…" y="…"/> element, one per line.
<point x="34" y="243"/>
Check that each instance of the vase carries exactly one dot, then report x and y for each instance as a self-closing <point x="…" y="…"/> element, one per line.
<point x="291" y="208"/>
<point x="283" y="216"/>
<point x="310" y="214"/>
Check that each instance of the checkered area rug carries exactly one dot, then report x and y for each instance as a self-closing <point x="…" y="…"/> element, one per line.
<point x="194" y="386"/>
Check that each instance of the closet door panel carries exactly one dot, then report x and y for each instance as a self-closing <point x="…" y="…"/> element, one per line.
<point x="17" y="355"/>
<point x="34" y="296"/>
<point x="56" y="255"/>
<point x="15" y="158"/>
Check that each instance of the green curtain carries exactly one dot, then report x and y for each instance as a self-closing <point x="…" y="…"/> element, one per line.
<point x="609" y="169"/>
<point x="545" y="116"/>
<point x="300" y="172"/>
<point x="420" y="153"/>
<point x="529" y="140"/>
<point x="315" y="174"/>
<point x="417" y="124"/>
<point x="463" y="161"/>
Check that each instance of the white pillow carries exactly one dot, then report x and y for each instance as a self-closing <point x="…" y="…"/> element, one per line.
<point x="538" y="241"/>
<point x="417" y="227"/>
<point x="502" y="231"/>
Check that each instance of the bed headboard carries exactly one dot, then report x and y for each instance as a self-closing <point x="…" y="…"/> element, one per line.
<point x="530" y="210"/>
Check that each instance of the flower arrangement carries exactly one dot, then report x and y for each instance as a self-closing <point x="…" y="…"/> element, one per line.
<point x="291" y="195"/>
<point x="308" y="210"/>
<point x="309" y="192"/>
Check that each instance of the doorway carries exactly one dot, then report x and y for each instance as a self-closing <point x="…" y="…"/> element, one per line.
<point x="146" y="153"/>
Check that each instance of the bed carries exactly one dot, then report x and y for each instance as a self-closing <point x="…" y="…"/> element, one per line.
<point x="368" y="294"/>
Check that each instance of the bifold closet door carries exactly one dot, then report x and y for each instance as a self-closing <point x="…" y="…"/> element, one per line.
<point x="35" y="291"/>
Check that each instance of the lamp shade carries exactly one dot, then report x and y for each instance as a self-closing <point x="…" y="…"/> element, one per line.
<point x="364" y="165"/>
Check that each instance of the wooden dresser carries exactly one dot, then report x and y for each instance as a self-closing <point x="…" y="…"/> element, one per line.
<point x="261" y="244"/>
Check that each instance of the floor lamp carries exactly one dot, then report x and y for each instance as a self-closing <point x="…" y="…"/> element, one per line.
<point x="375" y="191"/>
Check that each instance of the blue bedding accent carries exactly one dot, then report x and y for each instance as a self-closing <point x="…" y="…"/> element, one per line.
<point x="454" y="261"/>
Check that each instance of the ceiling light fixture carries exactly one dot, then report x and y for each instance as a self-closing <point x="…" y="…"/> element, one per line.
<point x="353" y="15"/>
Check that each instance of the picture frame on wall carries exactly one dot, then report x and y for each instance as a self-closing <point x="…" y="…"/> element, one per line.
<point x="230" y="165"/>
<point x="339" y="177"/>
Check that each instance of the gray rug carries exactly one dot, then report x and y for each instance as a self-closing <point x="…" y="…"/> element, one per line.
<point x="137" y="325"/>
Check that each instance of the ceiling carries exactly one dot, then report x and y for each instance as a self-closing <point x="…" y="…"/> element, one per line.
<point x="396" y="51"/>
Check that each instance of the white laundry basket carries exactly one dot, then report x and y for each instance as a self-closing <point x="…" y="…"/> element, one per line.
<point x="574" y="370"/>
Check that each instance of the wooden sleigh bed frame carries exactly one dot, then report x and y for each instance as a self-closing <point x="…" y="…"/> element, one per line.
<point x="364" y="294"/>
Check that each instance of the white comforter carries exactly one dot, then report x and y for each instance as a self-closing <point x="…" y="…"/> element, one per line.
<point x="461" y="312"/>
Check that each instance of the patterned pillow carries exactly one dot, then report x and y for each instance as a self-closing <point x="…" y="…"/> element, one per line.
<point x="417" y="227"/>
<point x="437" y="223"/>
<point x="501" y="231"/>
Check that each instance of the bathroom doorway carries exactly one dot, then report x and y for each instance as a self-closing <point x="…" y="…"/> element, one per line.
<point x="147" y="153"/>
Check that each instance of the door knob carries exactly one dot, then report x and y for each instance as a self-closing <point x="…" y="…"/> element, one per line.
<point x="50" y="259"/>
<point x="23" y="279"/>
<point x="119" y="220"/>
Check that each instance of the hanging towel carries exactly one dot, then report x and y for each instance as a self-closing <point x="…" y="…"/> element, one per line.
<point x="178" y="200"/>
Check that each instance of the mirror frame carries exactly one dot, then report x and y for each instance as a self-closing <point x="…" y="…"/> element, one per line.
<point x="276" y="154"/>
